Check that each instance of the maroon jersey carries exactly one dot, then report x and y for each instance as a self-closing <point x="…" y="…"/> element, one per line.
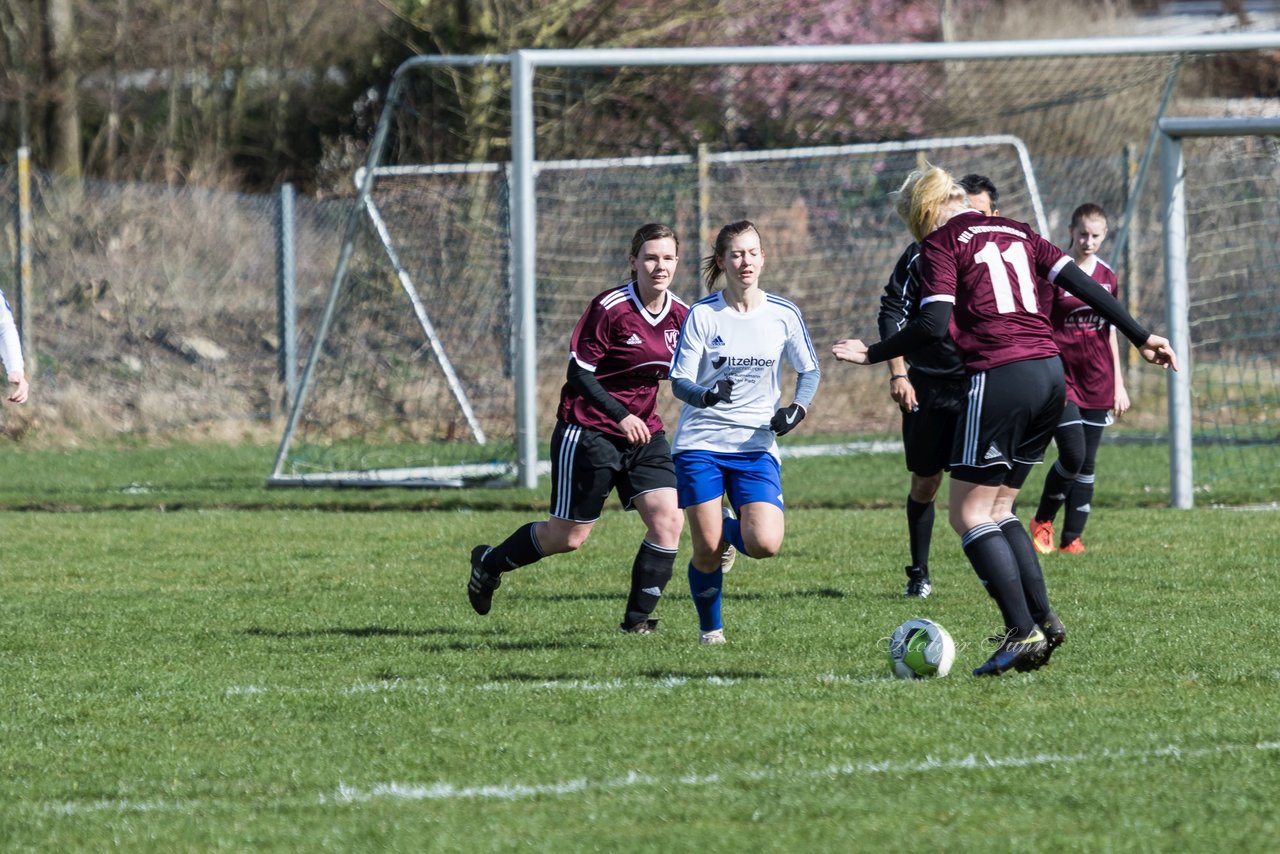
<point x="1084" y="338"/>
<point x="998" y="273"/>
<point x="629" y="351"/>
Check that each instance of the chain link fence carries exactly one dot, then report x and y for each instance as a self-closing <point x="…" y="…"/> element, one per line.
<point x="153" y="309"/>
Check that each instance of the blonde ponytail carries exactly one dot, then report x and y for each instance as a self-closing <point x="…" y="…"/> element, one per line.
<point x="925" y="198"/>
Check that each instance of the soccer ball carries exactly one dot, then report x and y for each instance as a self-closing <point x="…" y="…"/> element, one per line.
<point x="919" y="649"/>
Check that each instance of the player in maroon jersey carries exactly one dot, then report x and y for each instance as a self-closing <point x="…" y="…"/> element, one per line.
<point x="609" y="436"/>
<point x="990" y="280"/>
<point x="1095" y="390"/>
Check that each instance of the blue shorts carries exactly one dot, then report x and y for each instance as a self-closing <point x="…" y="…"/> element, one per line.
<point x="703" y="476"/>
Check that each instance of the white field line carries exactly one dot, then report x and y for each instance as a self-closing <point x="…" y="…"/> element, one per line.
<point x="510" y="792"/>
<point x="426" y="686"/>
<point x="346" y="795"/>
<point x="664" y="683"/>
<point x="1248" y="508"/>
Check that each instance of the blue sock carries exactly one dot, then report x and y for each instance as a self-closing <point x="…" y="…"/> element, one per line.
<point x="705" y="589"/>
<point x="732" y="533"/>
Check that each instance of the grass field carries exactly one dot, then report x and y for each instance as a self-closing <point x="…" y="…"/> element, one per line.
<point x="296" y="670"/>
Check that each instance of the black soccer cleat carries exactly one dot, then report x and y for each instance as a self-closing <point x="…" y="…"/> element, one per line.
<point x="1020" y="655"/>
<point x="480" y="585"/>
<point x="644" y="627"/>
<point x="1055" y="634"/>
<point x="918" y="584"/>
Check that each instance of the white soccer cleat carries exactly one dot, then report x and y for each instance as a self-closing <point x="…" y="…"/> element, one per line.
<point x="730" y="554"/>
<point x="712" y="638"/>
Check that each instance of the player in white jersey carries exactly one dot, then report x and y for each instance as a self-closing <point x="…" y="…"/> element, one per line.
<point x="11" y="354"/>
<point x="727" y="369"/>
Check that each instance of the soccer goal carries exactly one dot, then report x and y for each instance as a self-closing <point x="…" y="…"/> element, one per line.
<point x="499" y="195"/>
<point x="427" y="359"/>
<point x="1220" y="197"/>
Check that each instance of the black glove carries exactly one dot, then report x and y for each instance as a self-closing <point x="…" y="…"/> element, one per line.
<point x="721" y="392"/>
<point x="786" y="419"/>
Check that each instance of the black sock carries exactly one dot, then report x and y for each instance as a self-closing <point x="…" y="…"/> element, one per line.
<point x="1056" y="486"/>
<point x="992" y="559"/>
<point x="519" y="549"/>
<point x="1033" y="588"/>
<point x="919" y="531"/>
<point x="650" y="573"/>
<point x="1079" y="500"/>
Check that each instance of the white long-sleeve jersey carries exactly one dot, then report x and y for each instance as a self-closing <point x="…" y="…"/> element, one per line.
<point x="749" y="348"/>
<point x="10" y="345"/>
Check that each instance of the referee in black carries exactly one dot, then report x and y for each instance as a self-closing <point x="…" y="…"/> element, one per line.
<point x="929" y="387"/>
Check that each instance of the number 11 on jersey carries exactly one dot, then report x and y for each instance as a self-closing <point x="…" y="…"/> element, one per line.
<point x="1016" y="257"/>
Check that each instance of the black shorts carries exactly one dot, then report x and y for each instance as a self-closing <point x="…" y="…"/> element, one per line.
<point x="1010" y="414"/>
<point x="1072" y="414"/>
<point x="586" y="465"/>
<point x="928" y="432"/>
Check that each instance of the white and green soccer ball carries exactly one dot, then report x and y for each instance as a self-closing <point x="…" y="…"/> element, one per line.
<point x="921" y="648"/>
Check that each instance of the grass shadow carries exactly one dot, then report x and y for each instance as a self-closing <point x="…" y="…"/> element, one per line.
<point x="512" y="646"/>
<point x="348" y="631"/>
<point x="818" y="593"/>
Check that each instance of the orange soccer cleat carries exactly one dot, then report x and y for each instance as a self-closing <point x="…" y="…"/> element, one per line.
<point x="1042" y="536"/>
<point x="1075" y="547"/>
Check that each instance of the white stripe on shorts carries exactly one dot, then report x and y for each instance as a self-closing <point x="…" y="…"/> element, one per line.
<point x="973" y="419"/>
<point x="564" y="483"/>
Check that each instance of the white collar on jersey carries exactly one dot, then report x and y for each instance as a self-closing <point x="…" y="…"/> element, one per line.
<point x="654" y="319"/>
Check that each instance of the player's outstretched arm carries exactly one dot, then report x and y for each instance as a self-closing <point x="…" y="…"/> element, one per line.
<point x="850" y="350"/>
<point x="1157" y="350"/>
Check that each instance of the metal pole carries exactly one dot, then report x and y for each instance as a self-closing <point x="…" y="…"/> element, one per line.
<point x="912" y="52"/>
<point x="1126" y="254"/>
<point x="339" y="274"/>
<point x="705" y="235"/>
<point x="24" y="290"/>
<point x="523" y="237"/>
<point x="1174" y="206"/>
<point x="287" y="294"/>
<point x="1177" y="289"/>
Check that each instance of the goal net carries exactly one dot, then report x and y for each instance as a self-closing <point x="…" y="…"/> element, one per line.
<point x="1222" y="241"/>
<point x="419" y="372"/>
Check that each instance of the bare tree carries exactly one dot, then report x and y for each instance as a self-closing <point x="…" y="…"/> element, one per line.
<point x="61" y="71"/>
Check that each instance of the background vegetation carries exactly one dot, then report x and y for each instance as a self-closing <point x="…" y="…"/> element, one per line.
<point x="252" y="93"/>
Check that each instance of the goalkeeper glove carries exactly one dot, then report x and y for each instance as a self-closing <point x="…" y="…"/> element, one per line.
<point x="718" y="393"/>
<point x="786" y="419"/>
